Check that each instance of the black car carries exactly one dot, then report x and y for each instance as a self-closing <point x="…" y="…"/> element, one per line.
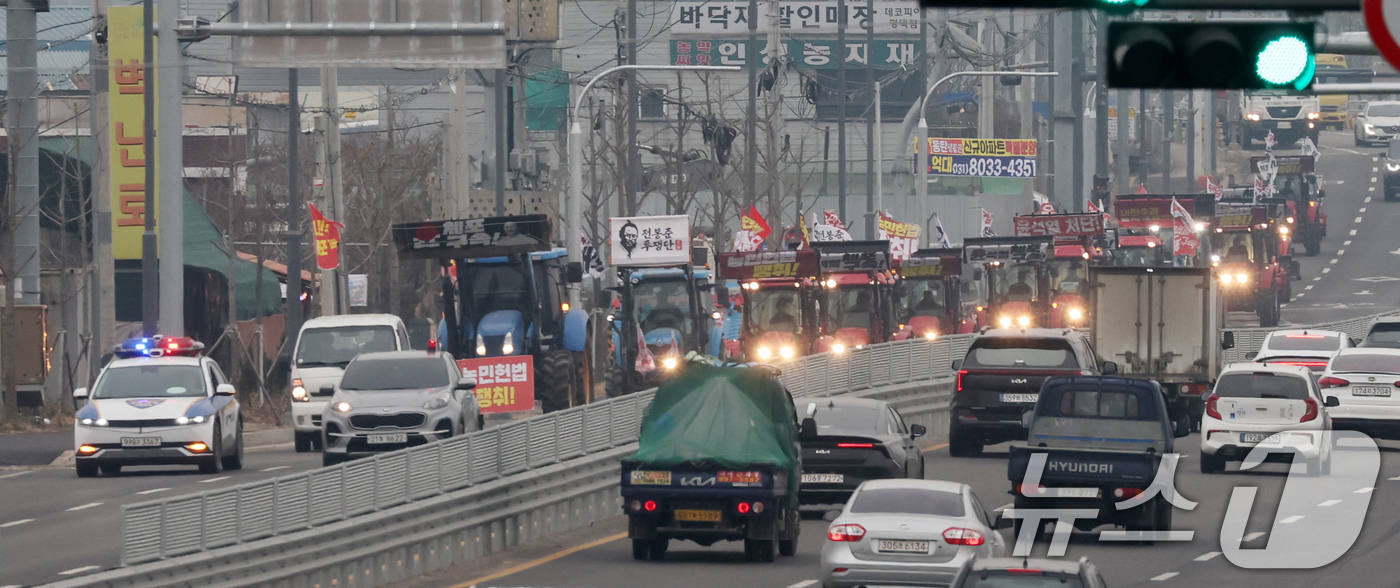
<point x="1392" y="171"/>
<point x="1020" y="572"/>
<point x="999" y="381"/>
<point x="846" y="441"/>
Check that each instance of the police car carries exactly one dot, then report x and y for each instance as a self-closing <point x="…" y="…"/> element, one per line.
<point x="159" y="402"/>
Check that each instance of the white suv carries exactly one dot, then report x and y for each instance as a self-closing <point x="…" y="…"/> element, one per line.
<point x="1266" y="405"/>
<point x="325" y="346"/>
<point x="1309" y="348"/>
<point x="1366" y="383"/>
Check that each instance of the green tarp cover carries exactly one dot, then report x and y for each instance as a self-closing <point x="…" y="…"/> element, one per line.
<point x="731" y="417"/>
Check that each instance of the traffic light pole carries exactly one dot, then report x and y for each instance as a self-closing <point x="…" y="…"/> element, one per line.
<point x="921" y="184"/>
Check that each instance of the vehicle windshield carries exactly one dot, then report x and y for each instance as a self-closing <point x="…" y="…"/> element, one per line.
<point x="1005" y="579"/>
<point x="1097" y="403"/>
<point x="846" y="418"/>
<point x="1290" y="187"/>
<point x="151" y="381"/>
<point x="1383" y="110"/>
<point x="1303" y="342"/>
<point x="663" y="304"/>
<point x="1015" y="283"/>
<point x="853" y="307"/>
<point x="1370" y="363"/>
<point x="400" y="373"/>
<point x="1262" y="385"/>
<point x="775" y="309"/>
<point x="1020" y="352"/>
<point x="1069" y="276"/>
<point x="1136" y="257"/>
<point x="336" y="346"/>
<point x="925" y="298"/>
<point x="1233" y="247"/>
<point x="917" y="501"/>
<point x="1383" y="335"/>
<point x="497" y="286"/>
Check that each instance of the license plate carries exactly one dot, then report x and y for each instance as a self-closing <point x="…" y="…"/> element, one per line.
<point x="823" y="478"/>
<point x="1075" y="492"/>
<point x="1285" y="125"/>
<point x="887" y="546"/>
<point x="1020" y="398"/>
<point x="1258" y="438"/>
<point x="389" y="438"/>
<point x="699" y="516"/>
<point x="140" y="441"/>
<point x="1370" y="391"/>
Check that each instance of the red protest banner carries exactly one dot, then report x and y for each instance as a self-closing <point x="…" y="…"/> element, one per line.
<point x="503" y="384"/>
<point x="1059" y="225"/>
<point x="327" y="233"/>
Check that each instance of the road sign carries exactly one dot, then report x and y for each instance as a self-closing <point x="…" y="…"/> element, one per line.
<point x="1383" y="22"/>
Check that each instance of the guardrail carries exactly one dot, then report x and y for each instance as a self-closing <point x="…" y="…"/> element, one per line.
<point x="1251" y="339"/>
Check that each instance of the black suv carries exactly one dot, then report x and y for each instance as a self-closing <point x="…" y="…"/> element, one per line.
<point x="1029" y="573"/>
<point x="1392" y="170"/>
<point x="999" y="381"/>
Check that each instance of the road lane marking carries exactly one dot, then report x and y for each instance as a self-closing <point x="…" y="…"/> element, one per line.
<point x="1346" y="243"/>
<point x="541" y="561"/>
<point x="1209" y="555"/>
<point x="152" y="491"/>
<point x="1367" y="200"/>
<point x="1292" y="519"/>
<point x="1396" y="478"/>
<point x="1329" y="502"/>
<point x="227" y="477"/>
<point x="1328" y="269"/>
<point x="1358" y="219"/>
<point x="1317" y="279"/>
<point x="1363" y="209"/>
<point x="1300" y="295"/>
<point x="1253" y="536"/>
<point x="1373" y="187"/>
<point x="1366" y="490"/>
<point x="16" y="474"/>
<point x="1341" y="252"/>
<point x="16" y="523"/>
<point x="1353" y="232"/>
<point x="275" y="468"/>
<point x="934" y="447"/>
<point x="1339" y="182"/>
<point x="804" y="584"/>
<point x="1309" y="287"/>
<point x="1165" y="577"/>
<point x="86" y="506"/>
<point x="78" y="570"/>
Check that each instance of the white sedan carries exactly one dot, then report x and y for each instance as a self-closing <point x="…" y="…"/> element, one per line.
<point x="907" y="533"/>
<point x="161" y="403"/>
<point x="1366" y="383"/>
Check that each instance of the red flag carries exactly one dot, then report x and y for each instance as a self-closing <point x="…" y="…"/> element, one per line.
<point x="1142" y="189"/>
<point x="831" y="220"/>
<point x="1184" y="240"/>
<point x="327" y="234"/>
<point x="754" y="222"/>
<point x="1107" y="218"/>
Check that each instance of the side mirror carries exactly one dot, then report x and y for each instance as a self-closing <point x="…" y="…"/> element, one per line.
<point x="573" y="272"/>
<point x="809" y="429"/>
<point x="830" y="515"/>
<point x="1251" y="355"/>
<point x="466" y="384"/>
<point x="1003" y="522"/>
<point x="1026" y="418"/>
<point x="1355" y="341"/>
<point x="80" y="393"/>
<point x="1227" y="341"/>
<point x="916" y="431"/>
<point x="326" y="390"/>
<point x="1332" y="402"/>
<point x="1109" y="368"/>
<point x="957" y="365"/>
<point x="224" y="390"/>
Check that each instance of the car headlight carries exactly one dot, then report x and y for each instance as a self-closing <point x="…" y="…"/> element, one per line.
<point x="1252" y="116"/>
<point x="1391" y="166"/>
<point x="930" y="335"/>
<point x="1241" y="278"/>
<point x="1313" y="116"/>
<point x="342" y="406"/>
<point x="481" y="344"/>
<point x="765" y="353"/>
<point x="1024" y="321"/>
<point x="192" y="420"/>
<point x="1226" y="278"/>
<point x="1005" y="322"/>
<point x="436" y="403"/>
<point x="508" y="347"/>
<point x="669" y="363"/>
<point x="1369" y="128"/>
<point x="786" y="352"/>
<point x="94" y="422"/>
<point x="299" y="392"/>
<point x="838" y="348"/>
<point x="1075" y="314"/>
<point x="1283" y="230"/>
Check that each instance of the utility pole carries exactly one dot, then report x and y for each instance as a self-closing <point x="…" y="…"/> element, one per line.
<point x="1025" y="101"/>
<point x="171" y="198"/>
<point x="841" y="107"/>
<point x="879" y="157"/>
<point x="1142" y="138"/>
<point x="455" y="185"/>
<point x="751" y="120"/>
<point x="872" y="165"/>
<point x="1100" y="97"/>
<point x="150" y="276"/>
<point x="986" y="90"/>
<point x="294" y="206"/>
<point x="1191" y="123"/>
<point x="634" y="157"/>
<point x="1062" y="126"/>
<point x="334" y="299"/>
<point x="1121" y="155"/>
<point x="501" y="112"/>
<point x="1168" y="127"/>
<point x="103" y="314"/>
<point x="1078" y="190"/>
<point x="22" y="112"/>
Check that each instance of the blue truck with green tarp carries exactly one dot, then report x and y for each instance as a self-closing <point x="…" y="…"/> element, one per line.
<point x="718" y="460"/>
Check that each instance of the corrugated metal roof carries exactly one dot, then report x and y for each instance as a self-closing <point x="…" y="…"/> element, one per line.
<point x="60" y="23"/>
<point x="55" y="67"/>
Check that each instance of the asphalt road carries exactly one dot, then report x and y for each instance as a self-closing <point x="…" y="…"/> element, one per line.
<point x="54" y="525"/>
<point x="34" y="449"/>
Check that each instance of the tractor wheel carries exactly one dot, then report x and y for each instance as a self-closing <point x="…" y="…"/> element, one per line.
<point x="615" y="381"/>
<point x="1312" y="247"/>
<point x="1268" y="309"/>
<point x="554" y="379"/>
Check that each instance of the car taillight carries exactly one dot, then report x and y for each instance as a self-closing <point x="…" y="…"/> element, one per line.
<point x="744" y="508"/>
<point x="961" y="373"/>
<point x="960" y="536"/>
<point x="1331" y="382"/>
<point x="845" y="533"/>
<point x="1029" y="489"/>
<point x="1126" y="492"/>
<point x="1311" y="412"/>
<point x="649" y="505"/>
<point x="1210" y="406"/>
<point x="855" y="445"/>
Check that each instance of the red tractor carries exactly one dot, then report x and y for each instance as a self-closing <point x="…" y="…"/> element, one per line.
<point x="1018" y="278"/>
<point x="1298" y="185"/>
<point x="1244" y="246"/>
<point x="780" y="302"/>
<point x="929" y="295"/>
<point x="858" y="294"/>
<point x="1068" y="263"/>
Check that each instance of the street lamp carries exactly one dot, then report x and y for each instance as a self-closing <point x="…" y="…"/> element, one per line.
<point x="575" y="235"/>
<point x="922" y="147"/>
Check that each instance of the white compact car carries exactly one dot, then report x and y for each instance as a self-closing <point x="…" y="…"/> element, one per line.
<point x="1366" y="383"/>
<point x="907" y="533"/>
<point x="325" y="346"/>
<point x="1309" y="348"/>
<point x="159" y="403"/>
<point x="1266" y="405"/>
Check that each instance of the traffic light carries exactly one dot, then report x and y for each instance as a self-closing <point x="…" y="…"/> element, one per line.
<point x="1215" y="55"/>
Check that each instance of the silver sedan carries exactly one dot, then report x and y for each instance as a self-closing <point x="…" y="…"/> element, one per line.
<point x="907" y="533"/>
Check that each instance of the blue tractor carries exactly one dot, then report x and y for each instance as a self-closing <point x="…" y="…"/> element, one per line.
<point x="509" y="298"/>
<point x="674" y="310"/>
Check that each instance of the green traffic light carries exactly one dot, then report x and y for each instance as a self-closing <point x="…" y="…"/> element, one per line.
<point x="1125" y="3"/>
<point x="1286" y="60"/>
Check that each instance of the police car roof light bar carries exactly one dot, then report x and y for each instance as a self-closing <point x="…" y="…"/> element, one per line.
<point x="158" y="346"/>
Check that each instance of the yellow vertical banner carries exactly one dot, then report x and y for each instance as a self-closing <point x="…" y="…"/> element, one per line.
<point x="128" y="83"/>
